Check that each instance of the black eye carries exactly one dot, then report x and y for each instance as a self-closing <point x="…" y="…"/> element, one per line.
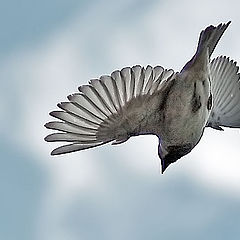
<point x="209" y="102"/>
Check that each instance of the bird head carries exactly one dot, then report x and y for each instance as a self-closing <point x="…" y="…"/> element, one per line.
<point x="171" y="154"/>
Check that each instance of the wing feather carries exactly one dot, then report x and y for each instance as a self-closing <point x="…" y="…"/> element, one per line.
<point x="138" y="72"/>
<point x="226" y="93"/>
<point x="149" y="76"/>
<point x="111" y="108"/>
<point x="69" y="128"/>
<point x="120" y="89"/>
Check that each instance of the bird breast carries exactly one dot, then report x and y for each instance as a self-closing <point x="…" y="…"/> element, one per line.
<point x="185" y="113"/>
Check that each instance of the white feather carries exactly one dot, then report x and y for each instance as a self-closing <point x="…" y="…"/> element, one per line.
<point x="226" y="93"/>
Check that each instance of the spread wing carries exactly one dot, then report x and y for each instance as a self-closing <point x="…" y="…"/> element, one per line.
<point x="111" y="108"/>
<point x="226" y="94"/>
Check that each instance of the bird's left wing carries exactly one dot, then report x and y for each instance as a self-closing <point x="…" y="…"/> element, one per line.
<point x="226" y="94"/>
<point x="111" y="108"/>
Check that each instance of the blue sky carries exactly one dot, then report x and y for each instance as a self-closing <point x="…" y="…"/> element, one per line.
<point x="48" y="49"/>
<point x="26" y="22"/>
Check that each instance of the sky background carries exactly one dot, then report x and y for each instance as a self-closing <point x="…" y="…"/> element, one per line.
<point x="47" y="50"/>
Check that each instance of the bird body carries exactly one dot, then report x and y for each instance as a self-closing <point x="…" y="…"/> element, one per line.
<point x="175" y="106"/>
<point x="185" y="114"/>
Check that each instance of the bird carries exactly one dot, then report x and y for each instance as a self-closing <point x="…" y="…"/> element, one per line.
<point x="133" y="101"/>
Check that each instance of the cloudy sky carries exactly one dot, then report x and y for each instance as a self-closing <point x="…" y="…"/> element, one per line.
<point x="48" y="49"/>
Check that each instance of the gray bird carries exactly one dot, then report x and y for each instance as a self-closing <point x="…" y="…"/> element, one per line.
<point x="174" y="106"/>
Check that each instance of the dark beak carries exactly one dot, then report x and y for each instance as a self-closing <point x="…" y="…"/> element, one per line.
<point x="174" y="153"/>
<point x="165" y="165"/>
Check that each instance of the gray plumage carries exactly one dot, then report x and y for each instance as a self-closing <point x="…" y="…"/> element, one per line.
<point x="175" y="106"/>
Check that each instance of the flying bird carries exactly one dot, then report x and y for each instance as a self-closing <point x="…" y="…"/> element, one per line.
<point x="174" y="106"/>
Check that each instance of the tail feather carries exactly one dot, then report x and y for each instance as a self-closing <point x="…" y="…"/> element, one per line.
<point x="210" y="37"/>
<point x="208" y="40"/>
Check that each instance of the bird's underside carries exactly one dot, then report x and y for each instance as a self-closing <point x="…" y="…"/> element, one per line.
<point x="152" y="100"/>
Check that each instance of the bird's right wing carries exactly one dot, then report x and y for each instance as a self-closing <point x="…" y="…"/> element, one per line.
<point x="226" y="94"/>
<point x="111" y="108"/>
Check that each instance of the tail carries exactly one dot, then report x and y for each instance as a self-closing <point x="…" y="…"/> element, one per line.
<point x="209" y="38"/>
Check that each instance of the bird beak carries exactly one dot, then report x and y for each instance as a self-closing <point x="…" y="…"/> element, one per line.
<point x="165" y="165"/>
